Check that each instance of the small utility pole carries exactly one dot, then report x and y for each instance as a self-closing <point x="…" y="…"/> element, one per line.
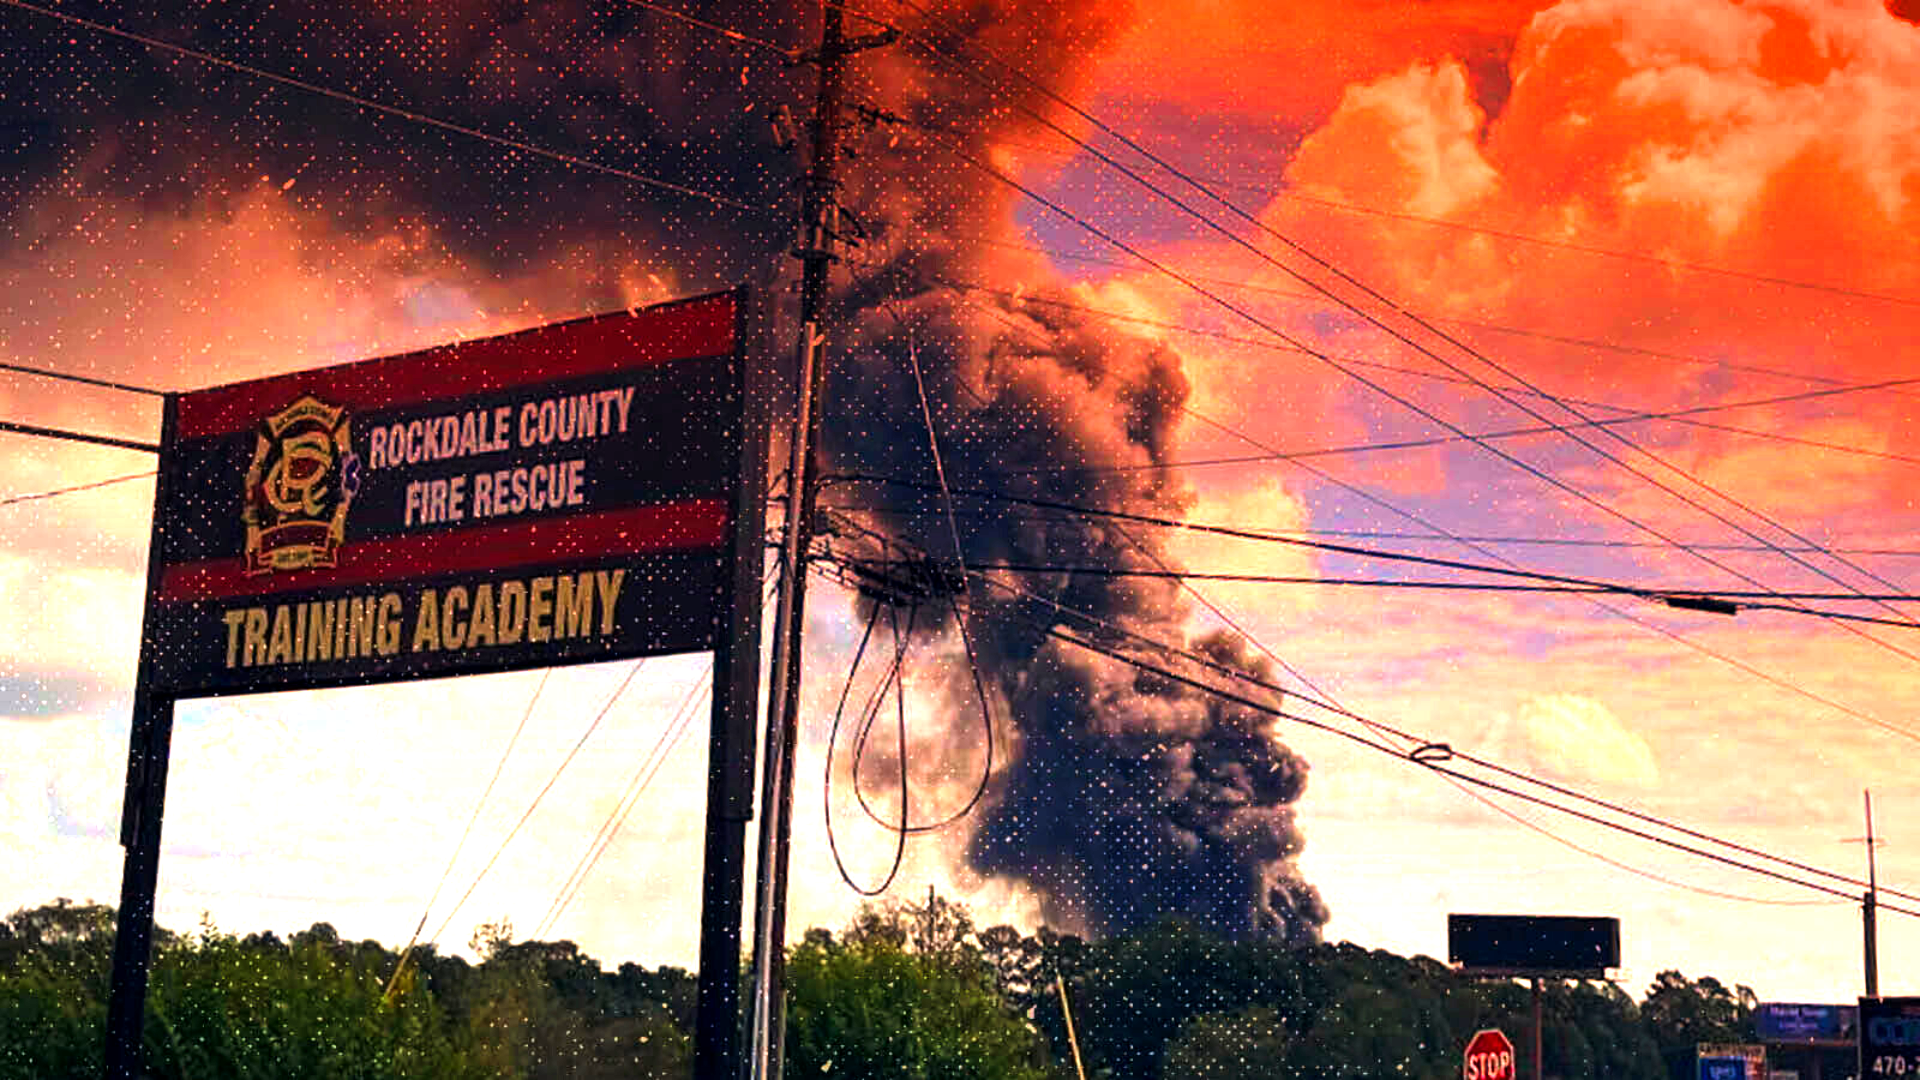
<point x="1869" y="900"/>
<point x="819" y="213"/>
<point x="1872" y="937"/>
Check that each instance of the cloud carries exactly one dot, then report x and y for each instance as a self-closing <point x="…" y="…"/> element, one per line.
<point x="1577" y="738"/>
<point x="35" y="696"/>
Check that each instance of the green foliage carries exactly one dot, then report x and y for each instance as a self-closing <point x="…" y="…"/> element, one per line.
<point x="907" y="992"/>
<point x="1252" y="1044"/>
<point x="1680" y="1013"/>
<point x="221" y="1007"/>
<point x="54" y="964"/>
<point x="866" y="1007"/>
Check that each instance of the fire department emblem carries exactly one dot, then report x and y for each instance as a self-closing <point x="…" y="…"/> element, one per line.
<point x="301" y="483"/>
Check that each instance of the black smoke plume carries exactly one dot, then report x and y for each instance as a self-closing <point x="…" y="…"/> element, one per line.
<point x="1124" y="796"/>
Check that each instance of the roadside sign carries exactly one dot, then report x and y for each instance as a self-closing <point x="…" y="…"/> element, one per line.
<point x="563" y="494"/>
<point x="1489" y="1056"/>
<point x="1889" y="1037"/>
<point x="1731" y="1061"/>
<point x="586" y="491"/>
<point x="1808" y="1024"/>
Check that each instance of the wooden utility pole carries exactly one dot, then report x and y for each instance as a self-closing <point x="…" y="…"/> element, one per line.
<point x="1869" y="901"/>
<point x="819" y="216"/>
<point x="1871" y="954"/>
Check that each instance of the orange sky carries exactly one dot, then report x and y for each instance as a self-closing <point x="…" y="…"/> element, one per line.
<point x="1776" y="142"/>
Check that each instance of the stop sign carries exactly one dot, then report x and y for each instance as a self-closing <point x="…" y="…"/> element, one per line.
<point x="1489" y="1056"/>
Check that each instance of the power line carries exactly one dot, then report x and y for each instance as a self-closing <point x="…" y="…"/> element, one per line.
<point x="1480" y="549"/>
<point x="15" y="428"/>
<point x="1424" y="751"/>
<point x="1464" y="789"/>
<point x="1591" y="586"/>
<point x="1417" y="743"/>
<point x="505" y="753"/>
<point x="725" y="32"/>
<point x="1460" y="538"/>
<point x="1422" y="746"/>
<point x="12" y="499"/>
<point x="891" y="679"/>
<point x="669" y="739"/>
<point x="1452" y="320"/>
<point x="86" y="380"/>
<point x="1509" y="569"/>
<point x="1680" y="416"/>
<point x="1345" y="207"/>
<point x="966" y="635"/>
<point x="542" y="794"/>
<point x="1236" y="532"/>
<point x="381" y="107"/>
<point x="1253" y="679"/>
<point x="1434" y="764"/>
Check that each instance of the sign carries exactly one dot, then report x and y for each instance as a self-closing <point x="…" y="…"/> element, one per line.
<point x="1731" y="1061"/>
<point x="1533" y="944"/>
<point x="1785" y="1022"/>
<point x="1489" y="1056"/>
<point x="564" y="494"/>
<point x="1889" y="1037"/>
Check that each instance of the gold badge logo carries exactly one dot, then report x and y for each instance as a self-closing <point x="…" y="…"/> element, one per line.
<point x="302" y="481"/>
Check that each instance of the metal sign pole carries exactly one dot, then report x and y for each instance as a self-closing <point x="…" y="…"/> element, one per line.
<point x="147" y="752"/>
<point x="730" y="747"/>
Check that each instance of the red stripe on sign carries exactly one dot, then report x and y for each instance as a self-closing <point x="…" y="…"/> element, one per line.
<point x="677" y="526"/>
<point x="543" y="354"/>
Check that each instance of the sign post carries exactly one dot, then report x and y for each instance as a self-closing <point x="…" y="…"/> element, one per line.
<point x="1533" y="947"/>
<point x="582" y="492"/>
<point x="1489" y="1057"/>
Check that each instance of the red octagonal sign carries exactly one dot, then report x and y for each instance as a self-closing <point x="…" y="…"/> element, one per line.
<point x="1489" y="1056"/>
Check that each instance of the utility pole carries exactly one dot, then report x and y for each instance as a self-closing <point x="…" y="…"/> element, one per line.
<point x="1872" y="938"/>
<point x="819" y="215"/>
<point x="1869" y="901"/>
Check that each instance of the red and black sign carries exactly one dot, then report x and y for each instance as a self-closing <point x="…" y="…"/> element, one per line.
<point x="563" y="494"/>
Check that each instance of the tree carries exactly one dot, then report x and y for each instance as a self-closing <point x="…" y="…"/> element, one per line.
<point x="222" y="1007"/>
<point x="1248" y="1045"/>
<point x="1681" y="1013"/>
<point x="867" y="1007"/>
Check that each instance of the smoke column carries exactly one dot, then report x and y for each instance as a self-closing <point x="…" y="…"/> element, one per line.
<point x="1128" y="797"/>
<point x="1123" y="797"/>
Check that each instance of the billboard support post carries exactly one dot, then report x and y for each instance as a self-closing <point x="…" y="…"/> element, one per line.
<point x="731" y="745"/>
<point x="1537" y="1044"/>
<point x="148" y="744"/>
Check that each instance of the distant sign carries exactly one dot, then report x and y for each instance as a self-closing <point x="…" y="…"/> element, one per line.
<point x="1732" y="1061"/>
<point x="1889" y="1037"/>
<point x="1489" y="1056"/>
<point x="563" y="494"/>
<point x="1787" y="1022"/>
<point x="1525" y="944"/>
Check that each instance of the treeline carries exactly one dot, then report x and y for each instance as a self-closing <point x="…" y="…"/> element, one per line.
<point x="912" y="992"/>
